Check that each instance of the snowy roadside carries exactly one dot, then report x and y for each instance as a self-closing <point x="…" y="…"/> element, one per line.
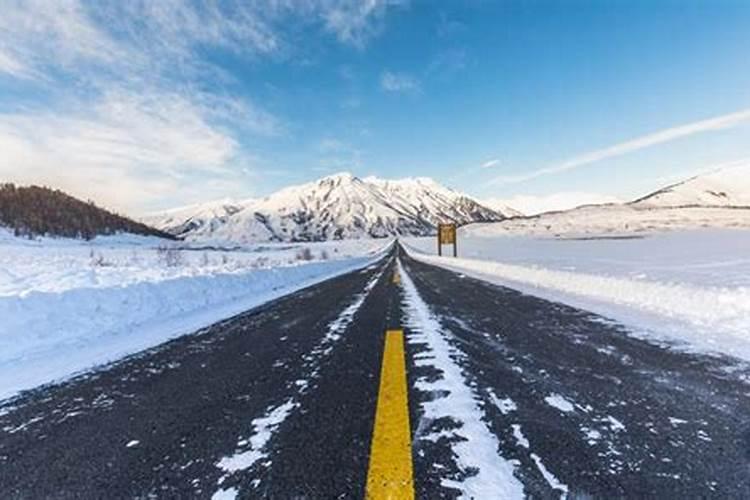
<point x="709" y="318"/>
<point x="46" y="336"/>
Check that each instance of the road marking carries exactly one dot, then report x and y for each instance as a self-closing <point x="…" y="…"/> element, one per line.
<point x="390" y="475"/>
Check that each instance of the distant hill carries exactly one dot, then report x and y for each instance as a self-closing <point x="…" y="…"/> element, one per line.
<point x="724" y="187"/>
<point x="718" y="199"/>
<point x="38" y="211"/>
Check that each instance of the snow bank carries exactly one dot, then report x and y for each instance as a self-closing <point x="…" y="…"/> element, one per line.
<point x="48" y="335"/>
<point x="59" y="264"/>
<point x="713" y="317"/>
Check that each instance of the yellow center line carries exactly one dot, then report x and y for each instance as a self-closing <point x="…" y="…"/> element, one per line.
<point x="390" y="475"/>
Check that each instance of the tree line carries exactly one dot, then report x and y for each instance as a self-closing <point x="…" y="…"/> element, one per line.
<point x="31" y="211"/>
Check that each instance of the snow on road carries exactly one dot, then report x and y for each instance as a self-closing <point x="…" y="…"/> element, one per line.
<point x="691" y="289"/>
<point x="62" y="314"/>
<point x="476" y="449"/>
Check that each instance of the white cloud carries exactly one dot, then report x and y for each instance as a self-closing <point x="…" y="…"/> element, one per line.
<point x="535" y="204"/>
<point x="123" y="120"/>
<point x="398" y="82"/>
<point x="490" y="163"/>
<point x="355" y="21"/>
<point x="128" y="150"/>
<point x="13" y="67"/>
<point x="662" y="136"/>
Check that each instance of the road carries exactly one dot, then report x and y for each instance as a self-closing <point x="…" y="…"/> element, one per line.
<point x="483" y="392"/>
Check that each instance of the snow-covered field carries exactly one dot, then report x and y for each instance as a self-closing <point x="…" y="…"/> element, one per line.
<point x="616" y="220"/>
<point x="691" y="288"/>
<point x="67" y="306"/>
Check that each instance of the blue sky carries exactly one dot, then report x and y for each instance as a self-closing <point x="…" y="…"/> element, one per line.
<point x="147" y="105"/>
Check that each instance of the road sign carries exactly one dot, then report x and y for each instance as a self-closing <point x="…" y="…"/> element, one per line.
<point x="447" y="236"/>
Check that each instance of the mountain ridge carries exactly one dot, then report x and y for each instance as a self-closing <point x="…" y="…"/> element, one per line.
<point x="337" y="206"/>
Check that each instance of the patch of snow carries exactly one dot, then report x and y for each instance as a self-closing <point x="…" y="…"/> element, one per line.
<point x="505" y="405"/>
<point x="476" y="449"/>
<point x="227" y="494"/>
<point x="518" y="434"/>
<point x="615" y="424"/>
<point x="554" y="483"/>
<point x="263" y="429"/>
<point x="559" y="402"/>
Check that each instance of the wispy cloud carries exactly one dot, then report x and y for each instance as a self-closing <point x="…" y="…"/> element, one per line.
<point x="490" y="163"/>
<point x="356" y="21"/>
<point x="660" y="137"/>
<point x="11" y="66"/>
<point x="398" y="82"/>
<point x="124" y="151"/>
<point x="127" y="119"/>
<point x="336" y="154"/>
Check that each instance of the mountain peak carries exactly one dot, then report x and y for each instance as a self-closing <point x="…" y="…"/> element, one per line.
<point x="338" y="206"/>
<point x="338" y="176"/>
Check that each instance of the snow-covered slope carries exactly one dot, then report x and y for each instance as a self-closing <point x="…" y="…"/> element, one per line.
<point x="193" y="217"/>
<point x="335" y="207"/>
<point x="719" y="199"/>
<point x="536" y="204"/>
<point x="724" y="187"/>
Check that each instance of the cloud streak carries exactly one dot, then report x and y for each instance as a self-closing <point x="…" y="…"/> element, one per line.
<point x="398" y="82"/>
<point x="713" y="124"/>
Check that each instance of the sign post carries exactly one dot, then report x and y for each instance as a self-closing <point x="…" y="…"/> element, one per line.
<point x="447" y="236"/>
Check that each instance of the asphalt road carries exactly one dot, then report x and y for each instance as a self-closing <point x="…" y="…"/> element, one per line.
<point x="280" y="402"/>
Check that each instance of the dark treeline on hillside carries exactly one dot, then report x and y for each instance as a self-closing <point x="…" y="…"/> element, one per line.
<point x="35" y="211"/>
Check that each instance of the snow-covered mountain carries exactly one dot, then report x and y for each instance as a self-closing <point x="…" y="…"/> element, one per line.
<point x="203" y="216"/>
<point x="724" y="187"/>
<point x="334" y="207"/>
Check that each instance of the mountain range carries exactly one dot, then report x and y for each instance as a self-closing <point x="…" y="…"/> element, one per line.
<point x="343" y="206"/>
<point x="339" y="206"/>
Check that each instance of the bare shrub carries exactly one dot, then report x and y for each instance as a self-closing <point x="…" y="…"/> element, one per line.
<point x="98" y="260"/>
<point x="169" y="256"/>
<point x="304" y="253"/>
